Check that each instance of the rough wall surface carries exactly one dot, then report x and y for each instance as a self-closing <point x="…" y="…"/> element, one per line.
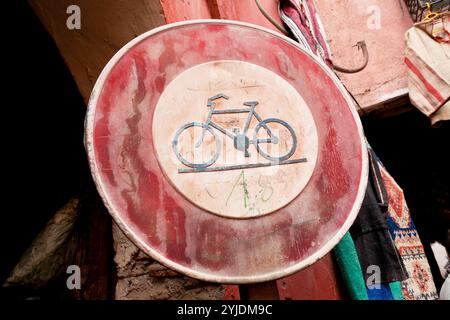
<point x="142" y="278"/>
<point x="106" y="25"/>
<point x="382" y="25"/>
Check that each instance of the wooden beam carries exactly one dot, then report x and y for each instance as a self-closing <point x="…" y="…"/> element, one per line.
<point x="260" y="291"/>
<point x="94" y="254"/>
<point x="389" y="108"/>
<point x="320" y="281"/>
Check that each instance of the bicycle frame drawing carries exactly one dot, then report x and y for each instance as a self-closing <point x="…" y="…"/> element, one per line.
<point x="239" y="138"/>
<point x="239" y="135"/>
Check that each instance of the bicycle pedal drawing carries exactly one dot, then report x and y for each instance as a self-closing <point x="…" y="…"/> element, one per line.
<point x="240" y="138"/>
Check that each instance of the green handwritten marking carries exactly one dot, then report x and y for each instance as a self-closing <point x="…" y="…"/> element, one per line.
<point x="246" y="193"/>
<point x="244" y="186"/>
<point x="266" y="185"/>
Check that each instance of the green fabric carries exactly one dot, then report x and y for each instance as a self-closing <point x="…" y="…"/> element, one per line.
<point x="348" y="262"/>
<point x="396" y="289"/>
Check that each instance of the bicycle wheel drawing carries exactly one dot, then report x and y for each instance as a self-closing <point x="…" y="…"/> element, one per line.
<point x="196" y="148"/>
<point x="277" y="142"/>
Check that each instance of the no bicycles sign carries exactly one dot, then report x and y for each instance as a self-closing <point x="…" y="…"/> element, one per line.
<point x="225" y="151"/>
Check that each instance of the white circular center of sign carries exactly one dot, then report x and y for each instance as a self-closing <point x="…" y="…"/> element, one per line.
<point x="235" y="138"/>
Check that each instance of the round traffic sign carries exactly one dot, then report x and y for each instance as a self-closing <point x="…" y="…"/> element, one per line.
<point x="225" y="151"/>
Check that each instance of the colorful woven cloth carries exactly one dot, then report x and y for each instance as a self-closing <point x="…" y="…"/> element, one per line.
<point x="419" y="285"/>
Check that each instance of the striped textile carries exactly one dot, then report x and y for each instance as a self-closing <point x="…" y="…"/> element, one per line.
<point x="438" y="28"/>
<point x="427" y="59"/>
<point x="304" y="23"/>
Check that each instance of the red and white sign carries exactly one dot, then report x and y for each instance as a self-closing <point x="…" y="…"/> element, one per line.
<point x="224" y="151"/>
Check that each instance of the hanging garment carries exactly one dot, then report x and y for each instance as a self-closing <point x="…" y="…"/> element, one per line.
<point x="383" y="292"/>
<point x="427" y="57"/>
<point x="445" y="290"/>
<point x="305" y="25"/>
<point x="301" y="18"/>
<point x="438" y="29"/>
<point x="347" y="260"/>
<point x="370" y="232"/>
<point x="396" y="290"/>
<point x="419" y="285"/>
<point x="386" y="291"/>
<point x="348" y="263"/>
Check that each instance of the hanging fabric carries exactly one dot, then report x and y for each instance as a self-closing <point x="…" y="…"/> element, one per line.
<point x="370" y="231"/>
<point x="301" y="18"/>
<point x="437" y="28"/>
<point x="347" y="260"/>
<point x="427" y="57"/>
<point x="419" y="285"/>
<point x="406" y="273"/>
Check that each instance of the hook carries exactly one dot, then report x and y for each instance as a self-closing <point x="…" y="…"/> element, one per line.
<point x="361" y="45"/>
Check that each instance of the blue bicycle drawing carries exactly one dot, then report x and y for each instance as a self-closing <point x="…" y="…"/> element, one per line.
<point x="239" y="136"/>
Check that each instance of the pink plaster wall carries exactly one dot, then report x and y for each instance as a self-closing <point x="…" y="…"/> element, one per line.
<point x="185" y="10"/>
<point x="347" y="22"/>
<point x="247" y="10"/>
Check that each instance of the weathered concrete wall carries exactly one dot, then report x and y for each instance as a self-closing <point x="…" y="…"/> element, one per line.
<point x="382" y="24"/>
<point x="142" y="278"/>
<point x="106" y="25"/>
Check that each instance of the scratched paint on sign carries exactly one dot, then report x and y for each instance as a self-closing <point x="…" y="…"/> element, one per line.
<point x="135" y="111"/>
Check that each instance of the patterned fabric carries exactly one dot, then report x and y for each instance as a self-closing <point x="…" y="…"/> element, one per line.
<point x="419" y="285"/>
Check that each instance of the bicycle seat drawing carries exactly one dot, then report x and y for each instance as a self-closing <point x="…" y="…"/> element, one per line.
<point x="264" y="134"/>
